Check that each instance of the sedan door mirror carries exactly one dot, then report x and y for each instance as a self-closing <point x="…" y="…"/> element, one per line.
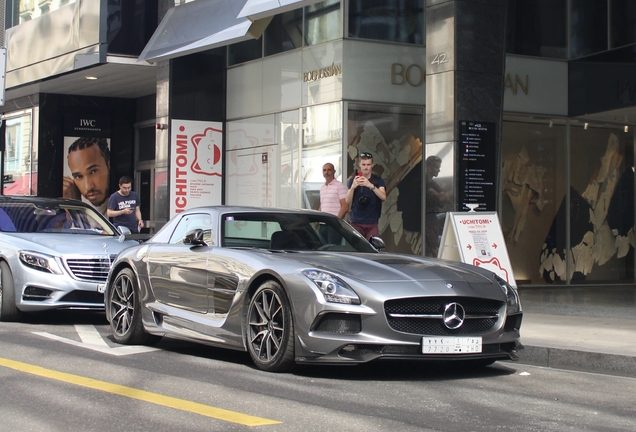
<point x="195" y="238"/>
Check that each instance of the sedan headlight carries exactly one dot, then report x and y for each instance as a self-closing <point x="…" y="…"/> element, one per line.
<point x="512" y="297"/>
<point x="40" y="262"/>
<point x="332" y="287"/>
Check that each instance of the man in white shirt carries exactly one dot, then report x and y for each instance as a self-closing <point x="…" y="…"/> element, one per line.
<point x="333" y="196"/>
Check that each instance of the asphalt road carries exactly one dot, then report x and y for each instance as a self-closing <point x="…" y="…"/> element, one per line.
<point x="61" y="372"/>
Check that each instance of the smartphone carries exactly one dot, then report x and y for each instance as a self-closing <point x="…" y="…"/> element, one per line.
<point x="359" y="173"/>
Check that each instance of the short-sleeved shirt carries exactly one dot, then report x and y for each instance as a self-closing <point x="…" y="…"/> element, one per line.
<point x="119" y="202"/>
<point x="369" y="212"/>
<point x="330" y="196"/>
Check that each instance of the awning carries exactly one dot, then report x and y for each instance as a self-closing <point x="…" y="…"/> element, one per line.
<point x="200" y="26"/>
<point x="259" y="9"/>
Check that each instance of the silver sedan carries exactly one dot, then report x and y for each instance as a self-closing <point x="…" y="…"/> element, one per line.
<point x="54" y="254"/>
<point x="300" y="286"/>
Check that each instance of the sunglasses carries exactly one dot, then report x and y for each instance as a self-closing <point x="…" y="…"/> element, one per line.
<point x="366" y="155"/>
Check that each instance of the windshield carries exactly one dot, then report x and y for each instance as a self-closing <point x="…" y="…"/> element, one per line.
<point x="63" y="218"/>
<point x="292" y="232"/>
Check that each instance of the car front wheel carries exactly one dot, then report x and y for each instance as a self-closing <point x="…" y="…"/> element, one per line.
<point x="270" y="329"/>
<point x="8" y="308"/>
<point x="125" y="310"/>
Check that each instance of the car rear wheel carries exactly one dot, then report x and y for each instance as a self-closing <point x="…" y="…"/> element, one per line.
<point x="270" y="329"/>
<point x="125" y="310"/>
<point x="8" y="309"/>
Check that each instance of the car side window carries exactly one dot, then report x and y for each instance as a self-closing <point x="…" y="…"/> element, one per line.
<point x="190" y="222"/>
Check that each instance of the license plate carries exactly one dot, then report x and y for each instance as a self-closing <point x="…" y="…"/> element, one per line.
<point x="451" y="345"/>
<point x="101" y="288"/>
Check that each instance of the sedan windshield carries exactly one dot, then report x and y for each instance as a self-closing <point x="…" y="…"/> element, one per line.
<point x="64" y="218"/>
<point x="292" y="232"/>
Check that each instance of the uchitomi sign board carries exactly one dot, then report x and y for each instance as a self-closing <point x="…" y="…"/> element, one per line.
<point x="195" y="164"/>
<point x="476" y="238"/>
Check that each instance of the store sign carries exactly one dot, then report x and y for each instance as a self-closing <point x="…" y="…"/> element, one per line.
<point x="195" y="164"/>
<point x="477" y="166"/>
<point x="413" y="75"/>
<point x="477" y="239"/>
<point x="319" y="74"/>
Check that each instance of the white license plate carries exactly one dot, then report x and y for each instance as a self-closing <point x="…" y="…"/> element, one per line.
<point x="451" y="345"/>
<point x="101" y="288"/>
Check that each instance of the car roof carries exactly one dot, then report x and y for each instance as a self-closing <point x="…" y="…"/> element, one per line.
<point x="40" y="201"/>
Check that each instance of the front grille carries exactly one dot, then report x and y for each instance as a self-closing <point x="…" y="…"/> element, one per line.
<point x="423" y="315"/>
<point x="92" y="269"/>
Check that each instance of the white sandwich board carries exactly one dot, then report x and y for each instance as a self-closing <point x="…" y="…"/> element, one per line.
<point x="476" y="238"/>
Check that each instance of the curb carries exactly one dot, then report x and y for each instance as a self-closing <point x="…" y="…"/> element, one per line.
<point x="580" y="361"/>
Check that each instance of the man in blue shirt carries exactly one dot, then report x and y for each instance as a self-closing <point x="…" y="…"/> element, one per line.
<point x="123" y="206"/>
<point x="365" y="195"/>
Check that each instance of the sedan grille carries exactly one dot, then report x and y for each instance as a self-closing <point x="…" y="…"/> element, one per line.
<point x="90" y="269"/>
<point x="424" y="315"/>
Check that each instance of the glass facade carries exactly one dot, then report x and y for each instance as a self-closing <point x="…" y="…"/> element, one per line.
<point x="393" y="135"/>
<point x="537" y="28"/>
<point x="20" y="155"/>
<point x="568" y="229"/>
<point x="388" y="20"/>
<point x="323" y="22"/>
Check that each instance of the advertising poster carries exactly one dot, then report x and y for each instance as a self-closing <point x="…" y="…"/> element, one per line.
<point x="86" y="160"/>
<point x="196" y="169"/>
<point x="476" y="238"/>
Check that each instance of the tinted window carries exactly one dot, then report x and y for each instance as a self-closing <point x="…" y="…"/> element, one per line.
<point x="245" y="51"/>
<point x="390" y="20"/>
<point x="323" y="22"/>
<point x="589" y="27"/>
<point x="284" y="33"/>
<point x="537" y="28"/>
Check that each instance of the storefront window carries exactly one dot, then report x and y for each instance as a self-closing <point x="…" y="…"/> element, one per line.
<point x="322" y="143"/>
<point x="601" y="204"/>
<point x="387" y="20"/>
<point x="393" y="135"/>
<point x="323" y="22"/>
<point x="20" y="156"/>
<point x="537" y="28"/>
<point x="534" y="201"/>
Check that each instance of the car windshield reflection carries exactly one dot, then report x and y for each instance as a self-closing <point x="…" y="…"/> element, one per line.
<point x="27" y="217"/>
<point x="291" y="232"/>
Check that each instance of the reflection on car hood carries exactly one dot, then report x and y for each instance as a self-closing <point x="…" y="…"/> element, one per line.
<point x="72" y="244"/>
<point x="390" y="268"/>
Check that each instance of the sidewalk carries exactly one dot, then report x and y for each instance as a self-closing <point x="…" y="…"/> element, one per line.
<point x="591" y="329"/>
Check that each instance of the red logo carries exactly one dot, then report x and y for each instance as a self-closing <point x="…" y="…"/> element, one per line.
<point x="207" y="153"/>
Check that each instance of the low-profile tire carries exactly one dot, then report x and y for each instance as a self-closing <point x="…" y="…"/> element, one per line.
<point x="8" y="310"/>
<point x="125" y="311"/>
<point x="269" y="330"/>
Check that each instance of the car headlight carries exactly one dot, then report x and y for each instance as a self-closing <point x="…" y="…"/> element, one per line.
<point x="332" y="287"/>
<point x="512" y="297"/>
<point x="40" y="261"/>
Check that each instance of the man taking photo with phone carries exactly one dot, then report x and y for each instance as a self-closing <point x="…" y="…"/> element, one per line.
<point x="366" y="193"/>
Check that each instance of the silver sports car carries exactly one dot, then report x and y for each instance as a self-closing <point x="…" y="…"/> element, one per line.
<point x="300" y="286"/>
<point x="54" y="254"/>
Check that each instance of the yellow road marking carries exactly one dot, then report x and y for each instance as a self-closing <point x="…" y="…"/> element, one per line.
<point x="133" y="393"/>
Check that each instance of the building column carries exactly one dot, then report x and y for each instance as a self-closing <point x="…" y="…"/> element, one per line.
<point x="465" y="55"/>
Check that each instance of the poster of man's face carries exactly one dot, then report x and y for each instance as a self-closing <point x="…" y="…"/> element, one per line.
<point x="87" y="170"/>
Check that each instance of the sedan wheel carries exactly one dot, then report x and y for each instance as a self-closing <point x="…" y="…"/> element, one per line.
<point x="270" y="330"/>
<point x="8" y="308"/>
<point x="125" y="310"/>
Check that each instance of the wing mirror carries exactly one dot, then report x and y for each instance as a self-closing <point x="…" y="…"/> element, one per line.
<point x="195" y="238"/>
<point x="377" y="242"/>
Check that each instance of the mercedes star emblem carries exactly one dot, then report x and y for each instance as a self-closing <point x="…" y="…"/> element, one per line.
<point x="454" y="315"/>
